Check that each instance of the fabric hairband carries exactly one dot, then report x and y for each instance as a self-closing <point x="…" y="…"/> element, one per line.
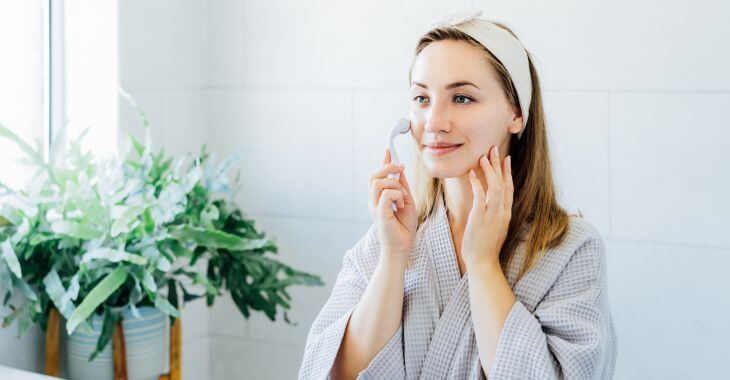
<point x="503" y="45"/>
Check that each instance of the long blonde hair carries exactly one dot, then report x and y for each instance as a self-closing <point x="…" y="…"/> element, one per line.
<point x="537" y="217"/>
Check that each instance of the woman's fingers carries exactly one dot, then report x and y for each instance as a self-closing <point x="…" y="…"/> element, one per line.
<point x="404" y="182"/>
<point x="388" y="196"/>
<point x="380" y="185"/>
<point x="477" y="190"/>
<point x="494" y="159"/>
<point x="509" y="187"/>
<point x="382" y="180"/>
<point x="384" y="170"/>
<point x="494" y="184"/>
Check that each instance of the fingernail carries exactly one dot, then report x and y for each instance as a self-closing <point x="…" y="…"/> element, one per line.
<point x="509" y="160"/>
<point x="496" y="150"/>
<point x="471" y="173"/>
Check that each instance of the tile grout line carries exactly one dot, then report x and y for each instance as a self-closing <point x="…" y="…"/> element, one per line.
<point x="610" y="166"/>
<point x="376" y="88"/>
<point x="308" y="218"/>
<point x="353" y="166"/>
<point x="672" y="244"/>
<point x="238" y="338"/>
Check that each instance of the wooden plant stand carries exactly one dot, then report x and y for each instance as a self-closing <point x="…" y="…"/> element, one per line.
<point x="118" y="349"/>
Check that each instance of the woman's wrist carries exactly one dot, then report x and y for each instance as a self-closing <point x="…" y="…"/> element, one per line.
<point x="482" y="262"/>
<point x="393" y="262"/>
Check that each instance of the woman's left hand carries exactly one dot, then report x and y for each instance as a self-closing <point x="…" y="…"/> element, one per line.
<point x="491" y="212"/>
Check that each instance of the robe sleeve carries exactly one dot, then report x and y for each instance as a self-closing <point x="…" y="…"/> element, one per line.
<point x="570" y="334"/>
<point x="328" y="329"/>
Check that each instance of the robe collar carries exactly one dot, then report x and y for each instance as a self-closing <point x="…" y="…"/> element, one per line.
<point x="443" y="254"/>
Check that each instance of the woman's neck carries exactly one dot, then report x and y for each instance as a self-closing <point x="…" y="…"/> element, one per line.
<point x="458" y="198"/>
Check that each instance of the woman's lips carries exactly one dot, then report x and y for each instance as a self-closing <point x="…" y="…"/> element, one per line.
<point x="441" y="151"/>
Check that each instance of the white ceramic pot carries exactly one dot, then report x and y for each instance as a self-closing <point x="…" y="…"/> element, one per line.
<point x="144" y="340"/>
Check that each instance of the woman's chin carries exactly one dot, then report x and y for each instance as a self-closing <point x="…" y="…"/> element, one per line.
<point x="444" y="170"/>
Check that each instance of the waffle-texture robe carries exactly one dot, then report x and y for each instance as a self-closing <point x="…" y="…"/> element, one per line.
<point x="560" y="327"/>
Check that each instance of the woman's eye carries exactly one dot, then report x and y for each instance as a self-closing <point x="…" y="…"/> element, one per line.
<point x="418" y="97"/>
<point x="461" y="97"/>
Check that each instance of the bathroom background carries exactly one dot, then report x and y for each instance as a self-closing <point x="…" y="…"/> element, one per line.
<point x="635" y="94"/>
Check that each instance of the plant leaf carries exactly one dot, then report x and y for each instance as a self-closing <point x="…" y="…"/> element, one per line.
<point x="54" y="289"/>
<point x="25" y="289"/>
<point x="7" y="133"/>
<point x="113" y="255"/>
<point x="75" y="229"/>
<point x="107" y="330"/>
<point x="166" y="307"/>
<point x="149" y="282"/>
<point x="11" y="259"/>
<point x="99" y="294"/>
<point x="217" y="239"/>
<point x="6" y="279"/>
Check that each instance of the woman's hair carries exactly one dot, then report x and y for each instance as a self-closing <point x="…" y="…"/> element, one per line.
<point x="537" y="217"/>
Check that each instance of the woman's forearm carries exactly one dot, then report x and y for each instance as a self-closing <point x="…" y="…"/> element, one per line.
<point x="491" y="300"/>
<point x="374" y="321"/>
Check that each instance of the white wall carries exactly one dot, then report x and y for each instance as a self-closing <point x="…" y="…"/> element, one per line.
<point x="307" y="91"/>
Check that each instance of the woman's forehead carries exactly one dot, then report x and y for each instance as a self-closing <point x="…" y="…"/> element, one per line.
<point x="445" y="62"/>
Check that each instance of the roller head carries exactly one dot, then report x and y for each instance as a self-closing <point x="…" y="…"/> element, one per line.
<point x="401" y="127"/>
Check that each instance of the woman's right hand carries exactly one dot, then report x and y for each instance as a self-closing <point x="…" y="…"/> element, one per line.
<point x="396" y="229"/>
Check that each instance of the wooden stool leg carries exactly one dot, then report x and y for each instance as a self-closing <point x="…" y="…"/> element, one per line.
<point x="175" y="350"/>
<point x="52" y="342"/>
<point x="120" y="353"/>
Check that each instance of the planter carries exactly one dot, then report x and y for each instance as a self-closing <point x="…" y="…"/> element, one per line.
<point x="144" y="340"/>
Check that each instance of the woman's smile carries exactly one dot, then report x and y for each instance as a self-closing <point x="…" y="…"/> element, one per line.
<point x="440" y="151"/>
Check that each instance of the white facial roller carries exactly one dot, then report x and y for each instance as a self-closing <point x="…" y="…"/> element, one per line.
<point x="403" y="126"/>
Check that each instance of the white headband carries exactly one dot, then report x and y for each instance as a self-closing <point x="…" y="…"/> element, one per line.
<point x="508" y="50"/>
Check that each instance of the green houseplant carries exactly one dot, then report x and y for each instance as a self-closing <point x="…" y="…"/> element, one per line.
<point x="90" y="236"/>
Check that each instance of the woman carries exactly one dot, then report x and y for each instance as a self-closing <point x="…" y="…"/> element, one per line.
<point x="481" y="273"/>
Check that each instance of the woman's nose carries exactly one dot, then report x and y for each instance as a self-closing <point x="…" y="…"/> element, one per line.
<point x="437" y="119"/>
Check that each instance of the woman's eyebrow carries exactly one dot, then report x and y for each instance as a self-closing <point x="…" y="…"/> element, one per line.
<point x="449" y="86"/>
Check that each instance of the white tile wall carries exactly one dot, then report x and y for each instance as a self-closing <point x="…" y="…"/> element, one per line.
<point x="668" y="303"/>
<point x="321" y="43"/>
<point x="578" y="133"/>
<point x="253" y="359"/>
<point x="21" y="352"/>
<point x="668" y="157"/>
<point x="622" y="45"/>
<point x="163" y="44"/>
<point x="196" y="359"/>
<point x="290" y="142"/>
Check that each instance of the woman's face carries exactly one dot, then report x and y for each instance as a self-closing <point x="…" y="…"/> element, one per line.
<point x="456" y="98"/>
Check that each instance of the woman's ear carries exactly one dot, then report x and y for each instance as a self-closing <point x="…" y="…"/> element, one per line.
<point x="515" y="125"/>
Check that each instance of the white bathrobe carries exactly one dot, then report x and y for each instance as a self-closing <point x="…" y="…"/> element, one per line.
<point x="559" y="327"/>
